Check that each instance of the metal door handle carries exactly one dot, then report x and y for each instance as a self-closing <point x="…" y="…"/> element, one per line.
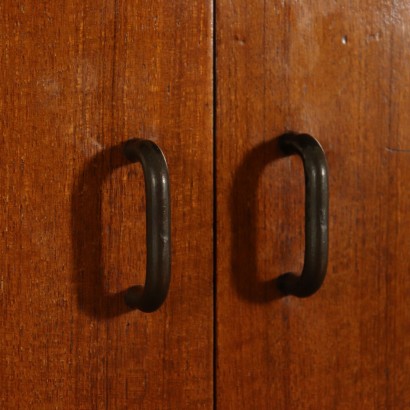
<point x="151" y="296"/>
<point x="316" y="215"/>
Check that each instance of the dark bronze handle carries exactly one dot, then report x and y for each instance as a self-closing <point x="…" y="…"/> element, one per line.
<point x="151" y="296"/>
<point x="316" y="216"/>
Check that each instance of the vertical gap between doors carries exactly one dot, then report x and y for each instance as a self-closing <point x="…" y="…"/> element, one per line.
<point x="215" y="225"/>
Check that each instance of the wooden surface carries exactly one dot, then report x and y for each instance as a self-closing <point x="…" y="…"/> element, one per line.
<point x="78" y="78"/>
<point x="339" y="71"/>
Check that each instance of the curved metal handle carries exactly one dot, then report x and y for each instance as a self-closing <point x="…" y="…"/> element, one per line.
<point x="158" y="226"/>
<point x="316" y="215"/>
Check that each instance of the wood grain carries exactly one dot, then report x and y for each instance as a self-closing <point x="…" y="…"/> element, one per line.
<point x="77" y="79"/>
<point x="339" y="71"/>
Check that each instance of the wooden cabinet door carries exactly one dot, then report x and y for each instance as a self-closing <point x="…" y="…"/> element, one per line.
<point x="339" y="71"/>
<point x="77" y="79"/>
